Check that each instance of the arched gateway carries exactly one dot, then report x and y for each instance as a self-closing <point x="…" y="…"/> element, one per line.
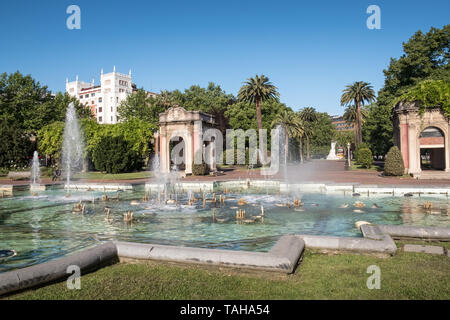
<point x="423" y="139"/>
<point x="190" y="126"/>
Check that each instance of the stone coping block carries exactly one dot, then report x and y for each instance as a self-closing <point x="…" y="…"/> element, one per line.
<point x="87" y="260"/>
<point x="100" y="186"/>
<point x="423" y="249"/>
<point x="385" y="245"/>
<point x="283" y="257"/>
<point x="401" y="232"/>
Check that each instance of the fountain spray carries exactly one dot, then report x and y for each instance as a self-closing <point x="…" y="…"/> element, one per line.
<point x="72" y="150"/>
<point x="35" y="170"/>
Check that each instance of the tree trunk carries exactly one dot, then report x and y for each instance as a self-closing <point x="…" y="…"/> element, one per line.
<point x="307" y="148"/>
<point x="358" y="136"/>
<point x="260" y="127"/>
<point x="301" y="149"/>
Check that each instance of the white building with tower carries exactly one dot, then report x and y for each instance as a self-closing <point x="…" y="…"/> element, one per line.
<point x="105" y="98"/>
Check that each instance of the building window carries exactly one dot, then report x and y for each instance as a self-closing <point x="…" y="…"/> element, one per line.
<point x="100" y="99"/>
<point x="117" y="99"/>
<point x="100" y="119"/>
<point x="100" y="109"/>
<point x="111" y="109"/>
<point x="111" y="119"/>
<point x="92" y="94"/>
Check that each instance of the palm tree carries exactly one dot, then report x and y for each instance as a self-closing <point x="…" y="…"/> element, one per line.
<point x="256" y="90"/>
<point x="299" y="133"/>
<point x="291" y="125"/>
<point x="358" y="93"/>
<point x="350" y="116"/>
<point x="308" y="115"/>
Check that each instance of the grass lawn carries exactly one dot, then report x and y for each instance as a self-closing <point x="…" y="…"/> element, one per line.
<point x="355" y="166"/>
<point x="319" y="276"/>
<point x="119" y="176"/>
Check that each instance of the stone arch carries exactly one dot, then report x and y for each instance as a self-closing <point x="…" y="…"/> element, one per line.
<point x="190" y="126"/>
<point x="409" y="124"/>
<point x="433" y="152"/>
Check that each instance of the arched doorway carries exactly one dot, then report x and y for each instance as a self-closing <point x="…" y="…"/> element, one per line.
<point x="177" y="150"/>
<point x="432" y="149"/>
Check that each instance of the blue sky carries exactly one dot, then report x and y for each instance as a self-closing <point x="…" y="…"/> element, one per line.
<point x="309" y="49"/>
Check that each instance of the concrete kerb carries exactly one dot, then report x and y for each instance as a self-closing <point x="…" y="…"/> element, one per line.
<point x="385" y="245"/>
<point x="87" y="260"/>
<point x="282" y="258"/>
<point x="410" y="232"/>
<point x="377" y="238"/>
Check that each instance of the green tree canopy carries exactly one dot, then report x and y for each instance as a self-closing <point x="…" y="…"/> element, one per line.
<point x="322" y="133"/>
<point x="242" y="115"/>
<point x="141" y="105"/>
<point x="212" y="100"/>
<point x="378" y="130"/>
<point x="430" y="94"/>
<point x="426" y="56"/>
<point x="15" y="146"/>
<point x="30" y="106"/>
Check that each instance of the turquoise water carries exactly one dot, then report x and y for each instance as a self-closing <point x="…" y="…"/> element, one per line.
<point x="43" y="227"/>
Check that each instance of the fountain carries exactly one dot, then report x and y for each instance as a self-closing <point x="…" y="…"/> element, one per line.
<point x="72" y="150"/>
<point x="332" y="155"/>
<point x="35" y="174"/>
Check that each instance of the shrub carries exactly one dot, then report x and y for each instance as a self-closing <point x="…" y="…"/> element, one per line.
<point x="365" y="158"/>
<point x="393" y="165"/>
<point x="114" y="155"/>
<point x="362" y="145"/>
<point x="200" y="169"/>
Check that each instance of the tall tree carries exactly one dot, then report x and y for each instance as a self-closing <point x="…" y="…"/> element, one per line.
<point x="426" y="56"/>
<point x="350" y="115"/>
<point x="308" y="115"/>
<point x="378" y="130"/>
<point x="358" y="93"/>
<point x="257" y="90"/>
<point x="140" y="105"/>
<point x="322" y="132"/>
<point x="292" y="127"/>
<point x="211" y="99"/>
<point x="30" y="106"/>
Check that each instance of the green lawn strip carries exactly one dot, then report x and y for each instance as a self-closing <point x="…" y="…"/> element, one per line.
<point x="119" y="176"/>
<point x="355" y="166"/>
<point x="319" y="276"/>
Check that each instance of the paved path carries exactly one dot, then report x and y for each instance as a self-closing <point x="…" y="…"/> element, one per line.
<point x="324" y="171"/>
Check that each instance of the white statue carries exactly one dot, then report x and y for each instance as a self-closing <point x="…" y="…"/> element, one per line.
<point x="332" y="155"/>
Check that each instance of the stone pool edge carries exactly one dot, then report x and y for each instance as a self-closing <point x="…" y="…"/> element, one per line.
<point x="283" y="256"/>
